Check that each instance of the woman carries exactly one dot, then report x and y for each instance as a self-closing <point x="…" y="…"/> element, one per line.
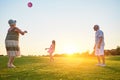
<point x="12" y="42"/>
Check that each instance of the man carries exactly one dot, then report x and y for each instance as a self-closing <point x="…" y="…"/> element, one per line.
<point x="99" y="45"/>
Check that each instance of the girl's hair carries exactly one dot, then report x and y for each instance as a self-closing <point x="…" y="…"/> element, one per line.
<point x="53" y="42"/>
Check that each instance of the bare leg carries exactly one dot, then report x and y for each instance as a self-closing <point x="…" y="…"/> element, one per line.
<point x="12" y="60"/>
<point x="9" y="60"/>
<point x="103" y="59"/>
<point x="98" y="57"/>
<point x="51" y="57"/>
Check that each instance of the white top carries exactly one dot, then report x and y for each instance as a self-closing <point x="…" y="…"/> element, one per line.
<point x="99" y="34"/>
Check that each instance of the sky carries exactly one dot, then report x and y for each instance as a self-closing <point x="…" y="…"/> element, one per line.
<point x="69" y="22"/>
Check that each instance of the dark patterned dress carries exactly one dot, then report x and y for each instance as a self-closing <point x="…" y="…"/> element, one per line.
<point x="12" y="43"/>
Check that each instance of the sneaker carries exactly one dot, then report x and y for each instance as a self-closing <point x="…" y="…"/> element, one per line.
<point x="98" y="64"/>
<point x="9" y="66"/>
<point x="103" y="65"/>
<point x="13" y="66"/>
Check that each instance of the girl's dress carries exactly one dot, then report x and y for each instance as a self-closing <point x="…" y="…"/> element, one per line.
<point x="51" y="49"/>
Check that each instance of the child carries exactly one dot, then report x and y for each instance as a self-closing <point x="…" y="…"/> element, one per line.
<point x="51" y="50"/>
<point x="12" y="42"/>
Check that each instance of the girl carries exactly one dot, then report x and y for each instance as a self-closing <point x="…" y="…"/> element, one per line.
<point x="51" y="50"/>
<point x="12" y="42"/>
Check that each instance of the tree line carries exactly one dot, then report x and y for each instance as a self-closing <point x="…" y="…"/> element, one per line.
<point x="107" y="52"/>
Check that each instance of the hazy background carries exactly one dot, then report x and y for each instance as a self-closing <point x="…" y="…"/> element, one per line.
<point x="69" y="22"/>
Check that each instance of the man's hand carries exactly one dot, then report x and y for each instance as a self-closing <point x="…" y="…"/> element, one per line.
<point x="98" y="46"/>
<point x="94" y="46"/>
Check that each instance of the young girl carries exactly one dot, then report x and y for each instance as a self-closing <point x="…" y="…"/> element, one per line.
<point x="51" y="50"/>
<point x="12" y="42"/>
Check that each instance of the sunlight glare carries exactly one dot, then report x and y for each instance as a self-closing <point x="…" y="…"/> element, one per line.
<point x="70" y="49"/>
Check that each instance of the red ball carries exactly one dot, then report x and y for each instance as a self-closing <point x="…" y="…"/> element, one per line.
<point x="30" y="4"/>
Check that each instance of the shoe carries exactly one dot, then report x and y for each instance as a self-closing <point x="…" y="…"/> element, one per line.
<point x="9" y="66"/>
<point x="103" y="65"/>
<point x="98" y="64"/>
<point x="13" y="66"/>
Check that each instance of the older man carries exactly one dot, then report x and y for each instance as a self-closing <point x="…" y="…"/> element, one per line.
<point x="99" y="45"/>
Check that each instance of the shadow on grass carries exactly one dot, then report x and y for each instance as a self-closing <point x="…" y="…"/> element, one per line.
<point x="32" y="73"/>
<point x="114" y="58"/>
<point x="113" y="68"/>
<point x="25" y="60"/>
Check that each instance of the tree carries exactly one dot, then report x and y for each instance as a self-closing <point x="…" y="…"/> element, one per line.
<point x="118" y="50"/>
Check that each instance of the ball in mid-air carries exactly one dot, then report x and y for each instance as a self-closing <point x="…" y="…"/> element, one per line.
<point x="30" y="4"/>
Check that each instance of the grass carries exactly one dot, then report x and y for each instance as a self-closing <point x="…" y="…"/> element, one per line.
<point x="63" y="68"/>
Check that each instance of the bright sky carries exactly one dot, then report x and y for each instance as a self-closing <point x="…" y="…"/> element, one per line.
<point x="69" y="22"/>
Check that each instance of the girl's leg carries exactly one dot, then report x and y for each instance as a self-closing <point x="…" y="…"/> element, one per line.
<point x="51" y="57"/>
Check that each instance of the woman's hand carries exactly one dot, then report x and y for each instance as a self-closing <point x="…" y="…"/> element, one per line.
<point x="20" y="31"/>
<point x="25" y="32"/>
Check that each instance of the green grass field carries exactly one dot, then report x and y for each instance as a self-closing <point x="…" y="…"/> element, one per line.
<point x="63" y="68"/>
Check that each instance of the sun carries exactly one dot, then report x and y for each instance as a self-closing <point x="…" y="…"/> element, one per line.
<point x="70" y="49"/>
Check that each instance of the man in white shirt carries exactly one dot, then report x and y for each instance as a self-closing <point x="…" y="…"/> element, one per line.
<point x="99" y="45"/>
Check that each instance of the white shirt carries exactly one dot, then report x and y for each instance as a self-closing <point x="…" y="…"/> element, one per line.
<point x="99" y="34"/>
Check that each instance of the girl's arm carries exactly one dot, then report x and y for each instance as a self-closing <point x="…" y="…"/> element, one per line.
<point x="20" y="31"/>
<point x="47" y="48"/>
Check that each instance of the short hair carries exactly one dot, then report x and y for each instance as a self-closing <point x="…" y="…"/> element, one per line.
<point x="11" y="22"/>
<point x="96" y="26"/>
